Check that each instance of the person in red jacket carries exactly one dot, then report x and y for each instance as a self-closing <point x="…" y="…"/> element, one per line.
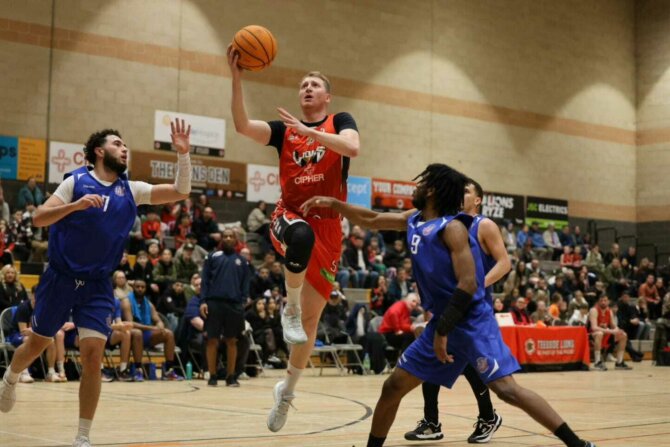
<point x="519" y="313"/>
<point x="397" y="325"/>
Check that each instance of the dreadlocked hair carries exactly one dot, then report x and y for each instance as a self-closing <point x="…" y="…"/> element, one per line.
<point x="449" y="186"/>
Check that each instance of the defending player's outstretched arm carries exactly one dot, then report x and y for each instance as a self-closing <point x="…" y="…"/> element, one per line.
<point x="359" y="215"/>
<point x="181" y="188"/>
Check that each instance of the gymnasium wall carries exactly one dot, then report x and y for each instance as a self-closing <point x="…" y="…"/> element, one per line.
<point x="536" y="97"/>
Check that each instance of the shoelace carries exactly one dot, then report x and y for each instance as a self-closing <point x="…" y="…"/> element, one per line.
<point x="284" y="404"/>
<point x="293" y="321"/>
<point x="481" y="424"/>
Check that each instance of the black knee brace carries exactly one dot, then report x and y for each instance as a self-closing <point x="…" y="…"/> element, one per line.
<point x="299" y="240"/>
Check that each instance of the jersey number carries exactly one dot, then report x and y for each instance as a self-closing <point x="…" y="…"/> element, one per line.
<point x="415" y="244"/>
<point x="106" y="203"/>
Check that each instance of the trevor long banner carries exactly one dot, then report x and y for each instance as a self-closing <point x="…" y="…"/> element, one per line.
<point x="63" y="158"/>
<point x="208" y="135"/>
<point x="546" y="211"/>
<point x="499" y="206"/>
<point x="359" y="191"/>
<point x="225" y="178"/>
<point x="392" y="194"/>
<point x="263" y="183"/>
<point x="535" y="347"/>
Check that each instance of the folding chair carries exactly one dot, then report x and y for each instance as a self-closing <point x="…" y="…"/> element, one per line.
<point x="344" y="348"/>
<point x="5" y="346"/>
<point x="257" y="350"/>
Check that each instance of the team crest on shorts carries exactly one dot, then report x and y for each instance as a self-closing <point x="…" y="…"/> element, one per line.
<point x="427" y="230"/>
<point x="120" y="191"/>
<point x="482" y="365"/>
<point x="530" y="346"/>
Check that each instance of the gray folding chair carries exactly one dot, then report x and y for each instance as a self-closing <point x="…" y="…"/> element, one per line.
<point x="5" y="346"/>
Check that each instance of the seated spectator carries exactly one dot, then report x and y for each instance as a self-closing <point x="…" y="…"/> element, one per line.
<point x="6" y="243"/>
<point x="594" y="260"/>
<point x="552" y="242"/>
<point x="567" y="258"/>
<point x="379" y="298"/>
<point x="629" y="319"/>
<point x="246" y="254"/>
<point x="125" y="336"/>
<point x="395" y="254"/>
<point x="190" y="288"/>
<point x="517" y="279"/>
<point x="509" y="237"/>
<point x="374" y="255"/>
<point x="566" y="238"/>
<point x="262" y="330"/>
<point x="362" y="273"/>
<point x="498" y="306"/>
<point x="125" y="267"/>
<point x="555" y="307"/>
<point x="397" y="326"/>
<point x="259" y="223"/>
<point x="143" y="269"/>
<point x="135" y="237"/>
<point x="199" y="254"/>
<point x="541" y="316"/>
<point x="614" y="276"/>
<point x="18" y="332"/>
<point x="29" y="194"/>
<point x="277" y="277"/>
<point x="642" y="311"/>
<point x="121" y="287"/>
<point x="4" y="207"/>
<point x="181" y="230"/>
<point x="602" y="327"/>
<point x="206" y="230"/>
<point x="142" y="313"/>
<point x="630" y="256"/>
<point x="577" y="301"/>
<point x="334" y="316"/>
<point x="614" y="253"/>
<point x="261" y="283"/>
<point x="268" y="259"/>
<point x="522" y="237"/>
<point x="274" y="318"/>
<point x="400" y="287"/>
<point x="343" y="275"/>
<point x="561" y="286"/>
<point x="22" y="233"/>
<point x="649" y="292"/>
<point x="168" y="217"/>
<point x="12" y="292"/>
<point x="172" y="304"/>
<point x="537" y="240"/>
<point x="151" y="228"/>
<point x="580" y="316"/>
<point x="154" y="253"/>
<point x="165" y="271"/>
<point x="184" y="264"/>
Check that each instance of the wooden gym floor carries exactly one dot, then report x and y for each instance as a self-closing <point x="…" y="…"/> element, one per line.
<point x="612" y="408"/>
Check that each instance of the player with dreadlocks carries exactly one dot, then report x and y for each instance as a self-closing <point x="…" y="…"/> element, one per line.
<point x="447" y="265"/>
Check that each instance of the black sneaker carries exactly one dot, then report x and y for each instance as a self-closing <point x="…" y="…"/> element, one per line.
<point x="213" y="381"/>
<point x="232" y="381"/>
<point x="484" y="430"/>
<point x="600" y="366"/>
<point x="425" y="431"/>
<point x="125" y="376"/>
<point x="589" y="444"/>
<point x="622" y="365"/>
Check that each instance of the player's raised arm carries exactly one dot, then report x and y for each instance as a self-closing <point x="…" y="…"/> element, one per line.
<point x="181" y="188"/>
<point x="359" y="215"/>
<point x="258" y="131"/>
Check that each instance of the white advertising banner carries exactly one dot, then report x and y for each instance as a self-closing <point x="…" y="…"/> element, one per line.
<point x="263" y="183"/>
<point x="63" y="158"/>
<point x="208" y="135"/>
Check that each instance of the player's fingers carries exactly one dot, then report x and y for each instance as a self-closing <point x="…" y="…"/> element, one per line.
<point x="183" y="126"/>
<point x="172" y="127"/>
<point x="449" y="358"/>
<point x="188" y="131"/>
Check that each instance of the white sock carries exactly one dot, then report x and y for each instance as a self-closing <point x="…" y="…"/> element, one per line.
<point x="596" y="356"/>
<point x="293" y="296"/>
<point x="52" y="371"/>
<point x="619" y="356"/>
<point x="11" y="377"/>
<point x="292" y="376"/>
<point x="60" y="366"/>
<point x="84" y="427"/>
<point x="123" y="366"/>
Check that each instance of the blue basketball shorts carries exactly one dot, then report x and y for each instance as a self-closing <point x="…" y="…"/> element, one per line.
<point x="91" y="303"/>
<point x="484" y="349"/>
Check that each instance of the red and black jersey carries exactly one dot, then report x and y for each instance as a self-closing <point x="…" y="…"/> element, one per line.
<point x="307" y="168"/>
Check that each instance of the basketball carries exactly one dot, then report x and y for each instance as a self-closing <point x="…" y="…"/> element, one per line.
<point x="256" y="46"/>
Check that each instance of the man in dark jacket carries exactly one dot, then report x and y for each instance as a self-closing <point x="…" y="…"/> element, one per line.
<point x="225" y="289"/>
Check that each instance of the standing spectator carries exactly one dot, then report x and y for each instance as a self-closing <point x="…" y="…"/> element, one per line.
<point x="165" y="271"/>
<point x="184" y="264"/>
<point x="12" y="292"/>
<point x="151" y="228"/>
<point x="649" y="292"/>
<point x="601" y="322"/>
<point x="552" y="241"/>
<point x="397" y="326"/>
<point x="395" y="255"/>
<point x="30" y="194"/>
<point x="225" y="289"/>
<point x="199" y="254"/>
<point x="206" y="229"/>
<point x="259" y="223"/>
<point x="4" y="206"/>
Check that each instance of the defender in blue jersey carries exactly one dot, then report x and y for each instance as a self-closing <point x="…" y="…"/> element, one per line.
<point x="90" y="214"/>
<point x="496" y="264"/>
<point x="450" y="275"/>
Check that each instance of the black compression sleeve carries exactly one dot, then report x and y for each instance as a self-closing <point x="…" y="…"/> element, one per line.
<point x="278" y="129"/>
<point x="455" y="311"/>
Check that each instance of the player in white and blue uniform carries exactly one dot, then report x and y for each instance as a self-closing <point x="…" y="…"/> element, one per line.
<point x="496" y="264"/>
<point x="90" y="214"/>
<point x="450" y="275"/>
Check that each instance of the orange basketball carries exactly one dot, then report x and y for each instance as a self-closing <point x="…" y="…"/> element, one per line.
<point x="257" y="47"/>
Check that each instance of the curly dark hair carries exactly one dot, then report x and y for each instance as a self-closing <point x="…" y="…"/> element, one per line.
<point x="97" y="139"/>
<point x="449" y="186"/>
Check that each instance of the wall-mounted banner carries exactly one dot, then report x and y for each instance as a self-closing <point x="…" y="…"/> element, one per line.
<point x="32" y="157"/>
<point x="359" y="191"/>
<point x="64" y="158"/>
<point x="8" y="157"/>
<point x="545" y="211"/>
<point x="263" y="183"/>
<point x="208" y="135"/>
<point x="499" y="206"/>
<point x="208" y="173"/>
<point x="392" y="194"/>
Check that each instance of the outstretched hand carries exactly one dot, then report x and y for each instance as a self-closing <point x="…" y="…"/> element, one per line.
<point x="181" y="136"/>
<point x="233" y="60"/>
<point x="317" y="202"/>
<point x="292" y="122"/>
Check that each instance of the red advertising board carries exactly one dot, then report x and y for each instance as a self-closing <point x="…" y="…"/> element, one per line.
<point x="392" y="194"/>
<point x="547" y="346"/>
